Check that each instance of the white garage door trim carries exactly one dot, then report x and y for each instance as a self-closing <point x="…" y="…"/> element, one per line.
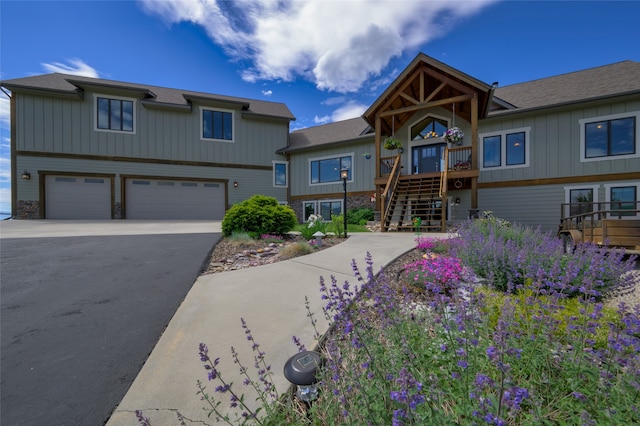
<point x="77" y="197"/>
<point x="174" y="199"/>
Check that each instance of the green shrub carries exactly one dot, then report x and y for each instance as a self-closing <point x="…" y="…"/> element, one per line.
<point x="337" y="223"/>
<point x="259" y="215"/>
<point x="360" y="216"/>
<point x="568" y="312"/>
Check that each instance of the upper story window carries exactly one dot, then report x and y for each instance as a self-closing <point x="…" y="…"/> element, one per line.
<point x="115" y="114"/>
<point x="280" y="174"/>
<point x="430" y="127"/>
<point x="604" y="138"/>
<point x="505" y="149"/>
<point x="217" y="125"/>
<point x="327" y="169"/>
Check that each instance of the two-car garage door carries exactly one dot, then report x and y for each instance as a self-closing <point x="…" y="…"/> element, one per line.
<point x="174" y="199"/>
<point x="90" y="197"/>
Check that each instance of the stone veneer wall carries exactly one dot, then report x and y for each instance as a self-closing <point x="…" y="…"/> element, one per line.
<point x="31" y="210"/>
<point x="117" y="210"/>
<point x="28" y="209"/>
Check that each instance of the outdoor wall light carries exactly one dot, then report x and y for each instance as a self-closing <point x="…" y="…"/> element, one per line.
<point x="301" y="370"/>
<point x="26" y="175"/>
<point x="400" y="150"/>
<point x="457" y="201"/>
<point x="344" y="175"/>
<point x="235" y="183"/>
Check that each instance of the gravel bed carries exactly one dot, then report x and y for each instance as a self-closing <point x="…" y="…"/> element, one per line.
<point x="231" y="255"/>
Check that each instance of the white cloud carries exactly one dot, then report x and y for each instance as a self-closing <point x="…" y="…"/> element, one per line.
<point x="75" y="67"/>
<point x="4" y="112"/>
<point x="337" y="45"/>
<point x="267" y="93"/>
<point x="5" y="170"/>
<point x="5" y="200"/>
<point x="322" y="120"/>
<point x="349" y="110"/>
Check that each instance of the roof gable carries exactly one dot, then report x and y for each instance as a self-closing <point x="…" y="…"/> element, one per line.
<point x="427" y="82"/>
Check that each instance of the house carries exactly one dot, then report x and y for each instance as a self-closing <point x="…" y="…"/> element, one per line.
<point x="527" y="148"/>
<point x="523" y="149"/>
<point x="86" y="148"/>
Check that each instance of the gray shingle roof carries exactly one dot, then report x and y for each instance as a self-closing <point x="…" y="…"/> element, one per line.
<point x="69" y="84"/>
<point x="346" y="130"/>
<point x="609" y="80"/>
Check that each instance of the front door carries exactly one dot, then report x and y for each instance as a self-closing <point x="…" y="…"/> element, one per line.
<point x="427" y="158"/>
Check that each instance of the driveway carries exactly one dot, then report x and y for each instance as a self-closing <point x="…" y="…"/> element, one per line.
<point x="83" y="305"/>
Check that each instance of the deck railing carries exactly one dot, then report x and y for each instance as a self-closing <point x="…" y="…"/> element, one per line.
<point x="572" y="214"/>
<point x="392" y="183"/>
<point x="459" y="158"/>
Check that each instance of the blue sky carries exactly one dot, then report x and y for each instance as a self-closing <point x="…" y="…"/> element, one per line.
<point x="327" y="60"/>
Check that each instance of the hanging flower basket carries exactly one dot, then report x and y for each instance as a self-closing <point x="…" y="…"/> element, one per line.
<point x="454" y="136"/>
<point x="392" y="143"/>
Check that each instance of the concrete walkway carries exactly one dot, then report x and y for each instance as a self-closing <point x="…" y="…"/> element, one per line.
<point x="271" y="298"/>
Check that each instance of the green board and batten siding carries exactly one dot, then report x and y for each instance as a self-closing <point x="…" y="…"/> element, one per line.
<point x="158" y="134"/>
<point x="363" y="169"/>
<point x="554" y="154"/>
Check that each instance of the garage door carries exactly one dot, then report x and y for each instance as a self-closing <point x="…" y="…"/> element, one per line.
<point x="77" y="197"/>
<point x="174" y="199"/>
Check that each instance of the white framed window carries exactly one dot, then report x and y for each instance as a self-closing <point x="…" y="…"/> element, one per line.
<point x="623" y="196"/>
<point x="506" y="149"/>
<point x="217" y="125"/>
<point x="610" y="137"/>
<point x="324" y="208"/>
<point x="326" y="170"/>
<point x="280" y="174"/>
<point x="114" y="114"/>
<point x="580" y="199"/>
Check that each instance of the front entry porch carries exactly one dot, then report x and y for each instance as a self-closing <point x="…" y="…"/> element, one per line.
<point x="418" y="201"/>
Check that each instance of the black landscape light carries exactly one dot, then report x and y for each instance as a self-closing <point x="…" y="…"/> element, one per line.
<point x="301" y="370"/>
<point x="344" y="175"/>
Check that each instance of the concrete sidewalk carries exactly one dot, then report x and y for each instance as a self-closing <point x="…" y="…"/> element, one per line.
<point x="271" y="298"/>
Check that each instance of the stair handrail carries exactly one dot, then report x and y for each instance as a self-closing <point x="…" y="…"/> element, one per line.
<point x="443" y="173"/>
<point x="390" y="188"/>
<point x="443" y="188"/>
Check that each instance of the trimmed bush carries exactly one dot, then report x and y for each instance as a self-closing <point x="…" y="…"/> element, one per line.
<point x="259" y="215"/>
<point x="359" y="216"/>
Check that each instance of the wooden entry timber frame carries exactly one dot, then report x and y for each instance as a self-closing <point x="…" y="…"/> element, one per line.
<point x="426" y="84"/>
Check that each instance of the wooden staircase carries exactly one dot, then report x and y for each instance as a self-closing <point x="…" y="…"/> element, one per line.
<point x="413" y="197"/>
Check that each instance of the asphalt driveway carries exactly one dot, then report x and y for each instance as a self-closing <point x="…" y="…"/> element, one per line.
<point x="82" y="307"/>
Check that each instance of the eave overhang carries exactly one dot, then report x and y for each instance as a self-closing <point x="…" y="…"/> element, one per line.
<point x="424" y="84"/>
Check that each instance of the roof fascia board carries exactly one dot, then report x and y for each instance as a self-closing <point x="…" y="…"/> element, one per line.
<point x="140" y="91"/>
<point x="359" y="139"/>
<point x="563" y="105"/>
<point x="30" y="90"/>
<point x="213" y="100"/>
<point x="251" y="114"/>
<point x="150" y="104"/>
